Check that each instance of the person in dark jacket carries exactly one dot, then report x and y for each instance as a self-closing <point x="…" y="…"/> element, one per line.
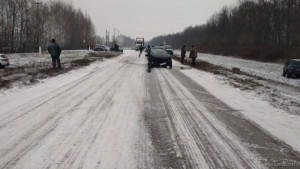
<point x="183" y="52"/>
<point x="148" y="48"/>
<point x="193" y="55"/>
<point x="141" y="50"/>
<point x="55" y="51"/>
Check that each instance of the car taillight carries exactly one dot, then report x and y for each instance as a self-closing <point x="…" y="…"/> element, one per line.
<point x="291" y="68"/>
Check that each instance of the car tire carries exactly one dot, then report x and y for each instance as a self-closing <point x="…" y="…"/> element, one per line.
<point x="170" y="66"/>
<point x="1" y="66"/>
<point x="283" y="74"/>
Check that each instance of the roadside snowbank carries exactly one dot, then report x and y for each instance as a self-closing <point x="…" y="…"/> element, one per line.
<point x="31" y="59"/>
<point x="281" y="124"/>
<point x="270" y="71"/>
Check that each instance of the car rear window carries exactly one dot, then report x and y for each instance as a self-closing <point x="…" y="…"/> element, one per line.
<point x="297" y="63"/>
<point x="168" y="47"/>
<point x="3" y="56"/>
<point x="158" y="51"/>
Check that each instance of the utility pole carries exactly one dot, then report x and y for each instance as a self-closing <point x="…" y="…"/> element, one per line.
<point x="115" y="34"/>
<point x="106" y="37"/>
<point x="38" y="3"/>
<point x="118" y="36"/>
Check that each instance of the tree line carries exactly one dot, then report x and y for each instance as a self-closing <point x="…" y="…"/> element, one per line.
<point x="25" y="24"/>
<point x="266" y="30"/>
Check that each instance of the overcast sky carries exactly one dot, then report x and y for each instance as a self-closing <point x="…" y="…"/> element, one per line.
<point x="149" y="18"/>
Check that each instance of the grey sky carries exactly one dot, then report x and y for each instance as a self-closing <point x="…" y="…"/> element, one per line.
<point x="149" y="18"/>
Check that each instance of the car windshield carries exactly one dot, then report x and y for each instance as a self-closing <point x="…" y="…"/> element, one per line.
<point x="168" y="47"/>
<point x="156" y="51"/>
<point x="297" y="63"/>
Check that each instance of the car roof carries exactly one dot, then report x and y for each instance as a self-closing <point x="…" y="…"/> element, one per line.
<point x="298" y="60"/>
<point x="158" y="47"/>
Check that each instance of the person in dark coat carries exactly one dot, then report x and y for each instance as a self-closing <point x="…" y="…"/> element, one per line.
<point x="141" y="50"/>
<point x="183" y="52"/>
<point x="117" y="47"/>
<point x="55" y="51"/>
<point x="148" y="48"/>
<point x="193" y="55"/>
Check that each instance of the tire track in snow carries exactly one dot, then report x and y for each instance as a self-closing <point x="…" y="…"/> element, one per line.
<point x="203" y="119"/>
<point x="252" y="137"/>
<point x="215" y="149"/>
<point x="24" y="149"/>
<point x="168" y="153"/>
<point x="40" y="101"/>
<point x="80" y="153"/>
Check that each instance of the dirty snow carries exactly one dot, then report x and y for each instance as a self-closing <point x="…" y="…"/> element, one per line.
<point x="279" y="123"/>
<point x="63" y="123"/>
<point x="270" y="71"/>
<point x="92" y="118"/>
<point x="32" y="59"/>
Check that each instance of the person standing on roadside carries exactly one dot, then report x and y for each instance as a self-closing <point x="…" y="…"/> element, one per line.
<point x="183" y="52"/>
<point x="55" y="51"/>
<point x="193" y="55"/>
<point x="148" y="48"/>
<point x="141" y="50"/>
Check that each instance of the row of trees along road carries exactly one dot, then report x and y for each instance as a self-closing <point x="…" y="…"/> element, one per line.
<point x="265" y="30"/>
<point x="24" y="24"/>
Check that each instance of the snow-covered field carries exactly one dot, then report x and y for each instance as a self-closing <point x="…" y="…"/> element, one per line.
<point x="32" y="59"/>
<point x="271" y="71"/>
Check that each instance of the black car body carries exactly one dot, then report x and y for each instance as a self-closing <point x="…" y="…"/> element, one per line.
<point x="4" y="61"/>
<point x="101" y="48"/>
<point x="158" y="57"/>
<point x="169" y="49"/>
<point x="118" y="49"/>
<point x="291" y="68"/>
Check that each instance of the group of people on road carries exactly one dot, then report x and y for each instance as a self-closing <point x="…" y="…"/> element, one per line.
<point x="193" y="54"/>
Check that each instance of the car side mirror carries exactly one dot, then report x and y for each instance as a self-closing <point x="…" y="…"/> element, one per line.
<point x="147" y="55"/>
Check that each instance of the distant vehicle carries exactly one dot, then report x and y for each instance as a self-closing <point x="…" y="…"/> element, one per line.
<point x="169" y="49"/>
<point x="101" y="48"/>
<point x="4" y="61"/>
<point x="139" y="42"/>
<point x="291" y="68"/>
<point x="116" y="49"/>
<point x="158" y="57"/>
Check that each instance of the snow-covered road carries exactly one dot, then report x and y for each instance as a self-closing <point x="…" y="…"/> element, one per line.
<point x="113" y="114"/>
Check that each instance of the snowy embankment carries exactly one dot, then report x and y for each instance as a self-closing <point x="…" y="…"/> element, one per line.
<point x="31" y="59"/>
<point x="281" y="124"/>
<point x="270" y="71"/>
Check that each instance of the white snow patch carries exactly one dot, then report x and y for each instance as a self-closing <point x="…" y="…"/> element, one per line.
<point x="270" y="71"/>
<point x="279" y="123"/>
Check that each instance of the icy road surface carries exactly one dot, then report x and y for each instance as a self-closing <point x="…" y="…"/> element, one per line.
<point x="114" y="114"/>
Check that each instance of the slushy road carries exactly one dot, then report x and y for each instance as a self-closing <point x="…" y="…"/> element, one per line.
<point x="114" y="114"/>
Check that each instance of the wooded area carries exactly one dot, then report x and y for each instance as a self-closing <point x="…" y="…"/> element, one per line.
<point x="266" y="30"/>
<point x="24" y="25"/>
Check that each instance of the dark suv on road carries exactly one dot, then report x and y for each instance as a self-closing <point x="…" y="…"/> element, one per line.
<point x="291" y="68"/>
<point x="158" y="57"/>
